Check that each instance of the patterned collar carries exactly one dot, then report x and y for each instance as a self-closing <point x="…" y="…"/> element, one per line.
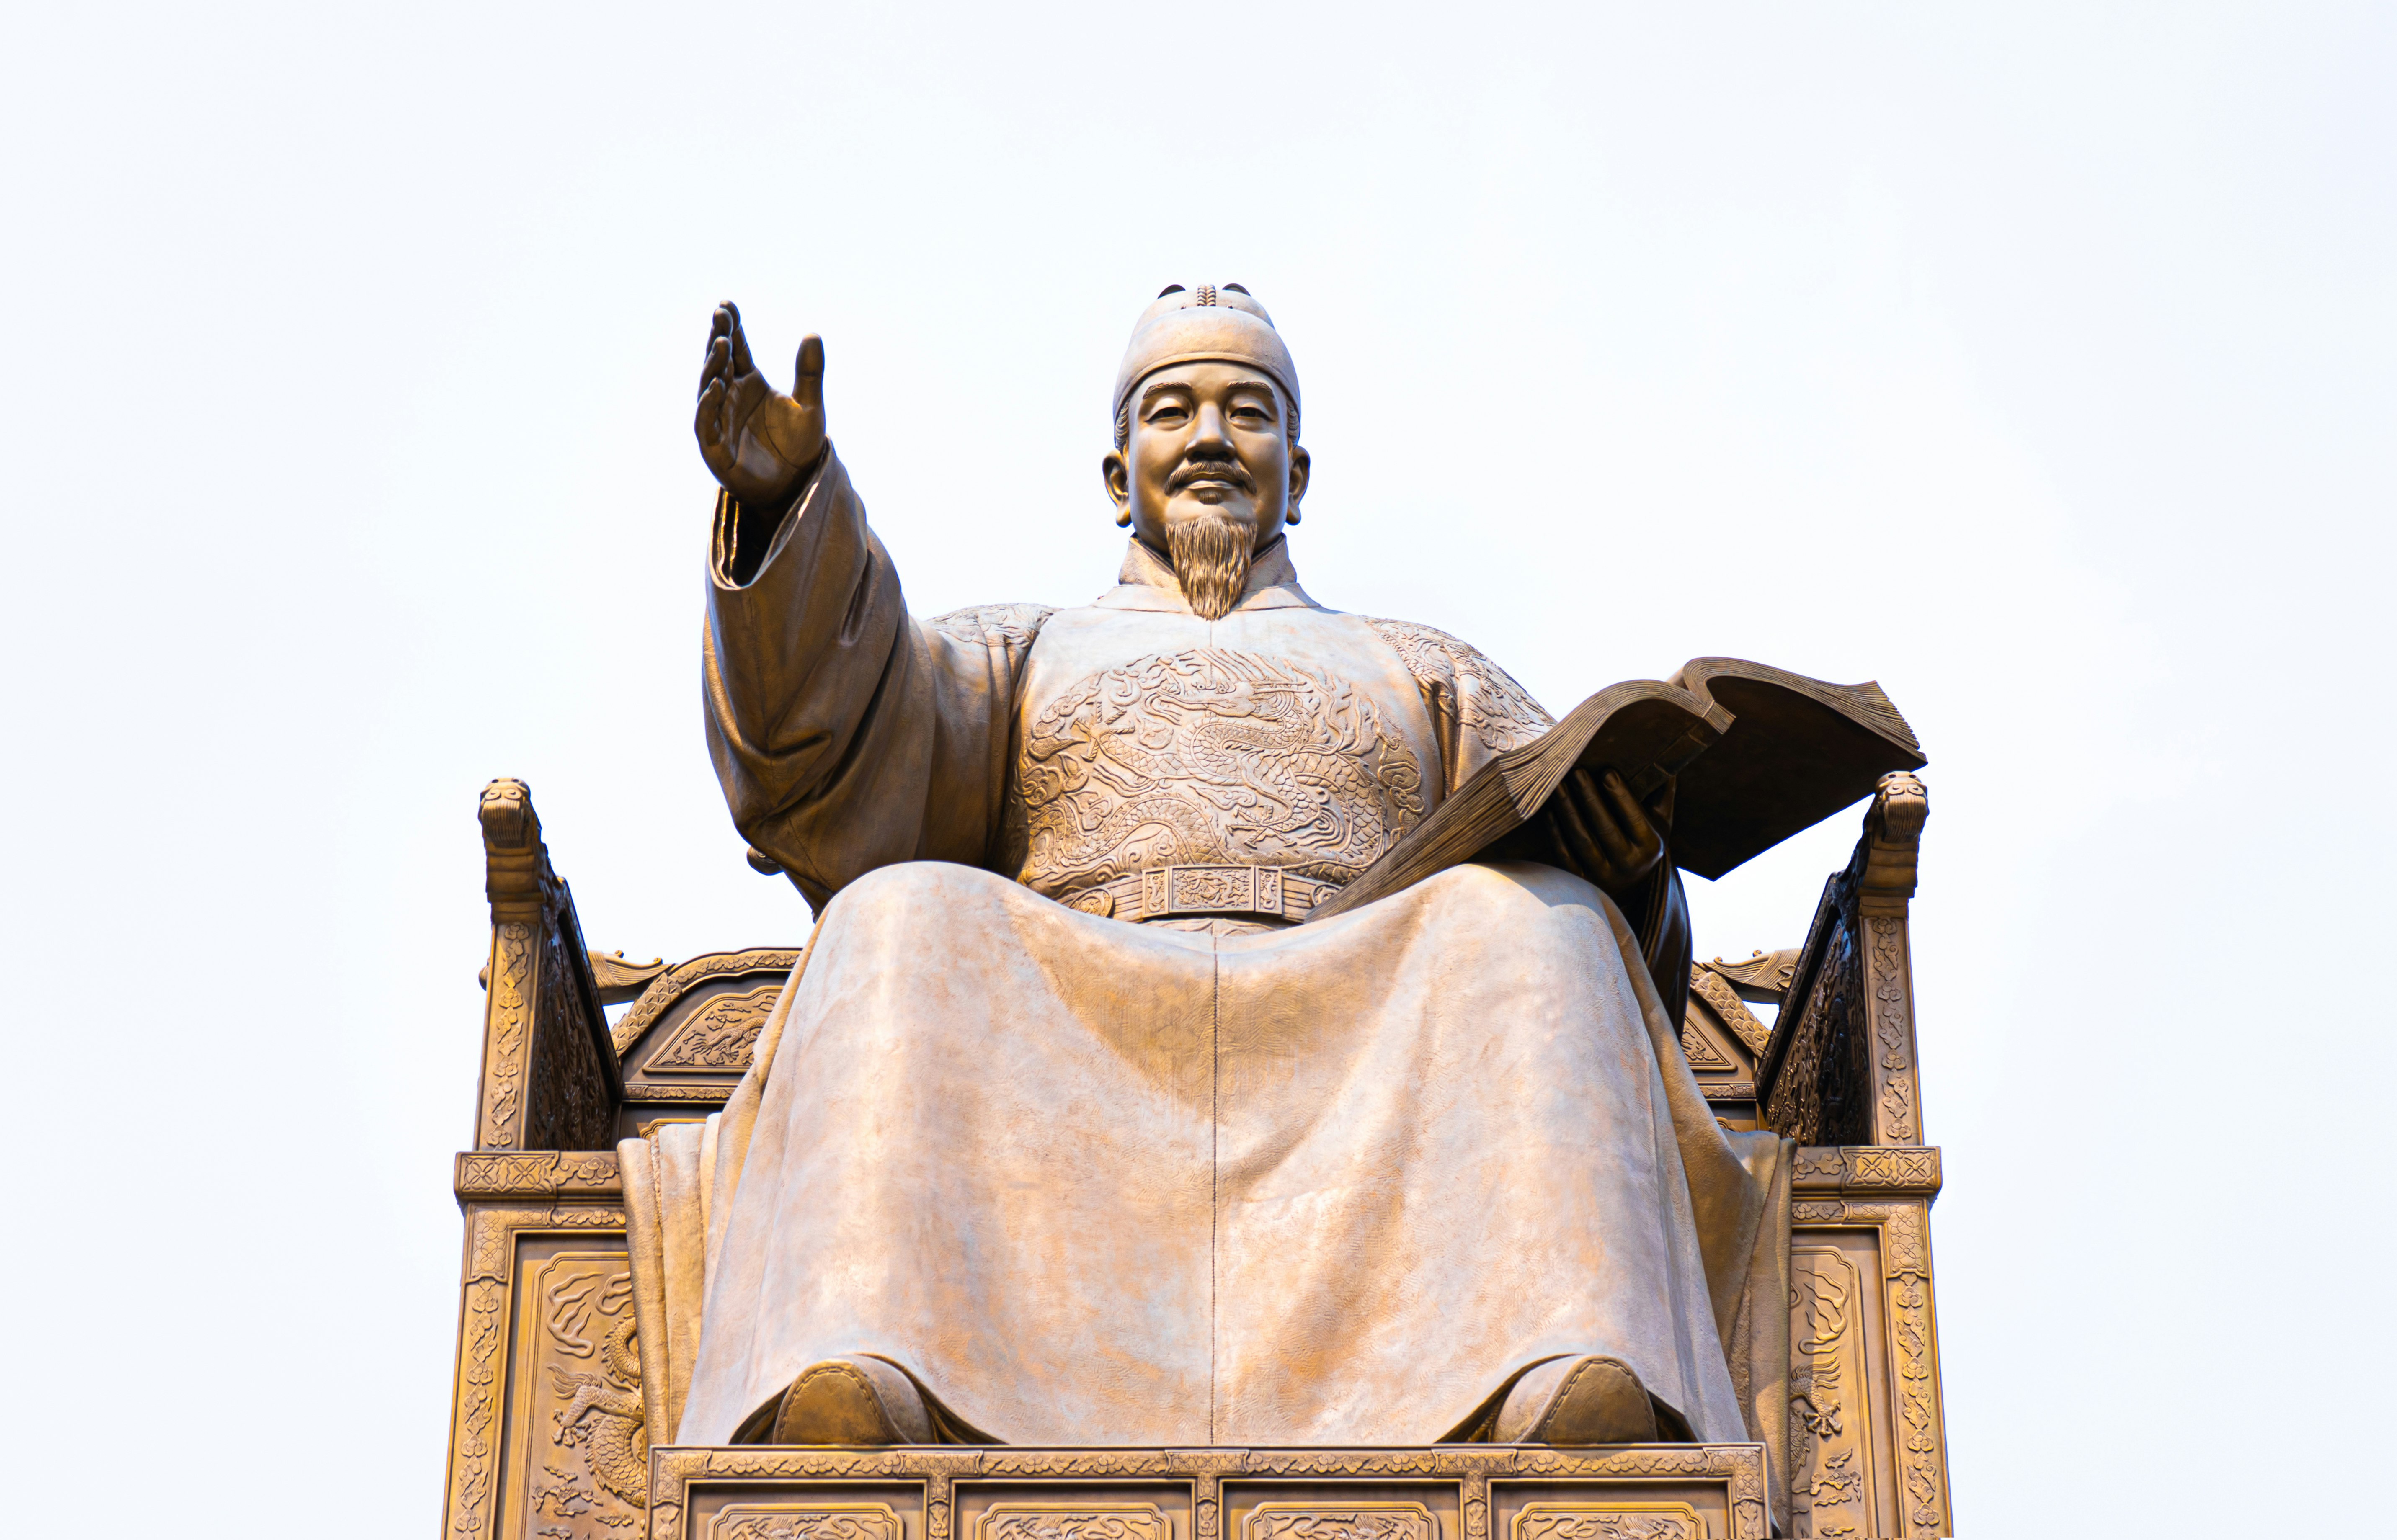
<point x="1147" y="582"/>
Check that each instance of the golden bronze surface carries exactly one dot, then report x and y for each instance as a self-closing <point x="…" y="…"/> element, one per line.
<point x="1454" y="1492"/>
<point x="1072" y="1125"/>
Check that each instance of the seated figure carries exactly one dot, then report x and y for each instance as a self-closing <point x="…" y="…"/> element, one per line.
<point x="1066" y="1130"/>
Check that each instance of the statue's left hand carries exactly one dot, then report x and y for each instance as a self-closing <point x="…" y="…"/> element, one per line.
<point x="1600" y="831"/>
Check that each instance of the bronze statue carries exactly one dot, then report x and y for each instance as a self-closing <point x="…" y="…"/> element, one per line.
<point x="1209" y="491"/>
<point x="1067" y="1129"/>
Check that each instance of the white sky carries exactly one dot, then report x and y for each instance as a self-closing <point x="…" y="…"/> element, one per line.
<point x="2034" y="360"/>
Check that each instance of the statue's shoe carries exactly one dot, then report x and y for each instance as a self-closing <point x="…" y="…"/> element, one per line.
<point x="1586" y="1400"/>
<point x="855" y="1400"/>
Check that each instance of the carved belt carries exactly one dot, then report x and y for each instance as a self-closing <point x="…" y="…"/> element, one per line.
<point x="1219" y="891"/>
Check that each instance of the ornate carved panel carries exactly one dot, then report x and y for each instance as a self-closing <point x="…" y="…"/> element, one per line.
<point x="537" y="1173"/>
<point x="1609" y="1521"/>
<point x="1893" y="1044"/>
<point x="1073" y="1521"/>
<point x="506" y="1348"/>
<point x="581" y="1434"/>
<point x="1882" y="1169"/>
<point x="507" y="1034"/>
<point x="772" y="963"/>
<point x="719" y="1035"/>
<point x="709" y="1097"/>
<point x="1879" y="1305"/>
<point x="1830" y="1455"/>
<point x="805" y="1521"/>
<point x="1700" y="1050"/>
<point x="1350" y="1522"/>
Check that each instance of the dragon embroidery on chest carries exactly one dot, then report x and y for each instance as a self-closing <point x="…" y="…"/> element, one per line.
<point x="1210" y="757"/>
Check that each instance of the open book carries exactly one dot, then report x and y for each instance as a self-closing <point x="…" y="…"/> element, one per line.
<point x="1758" y="752"/>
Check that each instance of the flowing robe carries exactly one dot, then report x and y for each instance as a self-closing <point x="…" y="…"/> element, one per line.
<point x="1192" y="1180"/>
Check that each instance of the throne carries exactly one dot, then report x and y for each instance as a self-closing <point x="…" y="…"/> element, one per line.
<point x="557" y="1388"/>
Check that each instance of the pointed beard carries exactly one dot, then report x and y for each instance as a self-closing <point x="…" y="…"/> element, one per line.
<point x="1210" y="559"/>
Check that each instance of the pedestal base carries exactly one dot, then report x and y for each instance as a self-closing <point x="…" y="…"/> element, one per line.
<point x="1446" y="1492"/>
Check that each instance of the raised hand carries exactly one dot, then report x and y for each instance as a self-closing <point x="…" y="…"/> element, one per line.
<point x="760" y="444"/>
<point x="1599" y="829"/>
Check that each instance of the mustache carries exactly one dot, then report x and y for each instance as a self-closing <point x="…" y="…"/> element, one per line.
<point x="1230" y="471"/>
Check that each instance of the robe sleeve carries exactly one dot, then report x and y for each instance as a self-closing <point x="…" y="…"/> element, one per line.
<point x="1479" y="713"/>
<point x="847" y="733"/>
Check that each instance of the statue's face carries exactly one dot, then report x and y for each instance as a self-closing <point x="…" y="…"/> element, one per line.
<point x="1209" y="440"/>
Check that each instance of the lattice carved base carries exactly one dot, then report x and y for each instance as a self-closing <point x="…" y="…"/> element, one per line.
<point x="1450" y="1492"/>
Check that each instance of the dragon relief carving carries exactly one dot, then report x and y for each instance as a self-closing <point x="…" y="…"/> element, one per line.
<point x="1210" y="757"/>
<point x="1827" y="1495"/>
<point x="1701" y="1054"/>
<point x="1329" y="1521"/>
<point x="1014" y="627"/>
<point x="720" y="1034"/>
<point x="587" y="1319"/>
<point x="1073" y="1521"/>
<point x="1609" y="1521"/>
<point x="1458" y="683"/>
<point x="836" y="1521"/>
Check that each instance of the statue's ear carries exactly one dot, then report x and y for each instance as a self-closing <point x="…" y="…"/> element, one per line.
<point x="1301" y="467"/>
<point x="1117" y="474"/>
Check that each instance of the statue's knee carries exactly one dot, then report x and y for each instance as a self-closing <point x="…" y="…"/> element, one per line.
<point x="906" y="885"/>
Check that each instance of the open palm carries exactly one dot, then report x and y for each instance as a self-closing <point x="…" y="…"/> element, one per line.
<point x="760" y="444"/>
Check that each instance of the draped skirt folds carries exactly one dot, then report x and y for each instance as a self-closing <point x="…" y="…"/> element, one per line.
<point x="1093" y="1182"/>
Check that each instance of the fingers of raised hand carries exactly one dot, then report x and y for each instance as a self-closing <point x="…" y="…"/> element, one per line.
<point x="719" y="361"/>
<point x="807" y="388"/>
<point x="742" y="364"/>
<point x="709" y="422"/>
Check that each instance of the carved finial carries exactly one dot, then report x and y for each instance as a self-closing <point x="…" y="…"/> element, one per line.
<point x="1900" y="805"/>
<point x="1893" y="840"/>
<point x="1763" y="976"/>
<point x="516" y="877"/>
<point x="509" y="822"/>
<point x="620" y="980"/>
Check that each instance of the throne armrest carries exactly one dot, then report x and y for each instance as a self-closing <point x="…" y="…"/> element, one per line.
<point x="550" y="1078"/>
<point x="1840" y="1066"/>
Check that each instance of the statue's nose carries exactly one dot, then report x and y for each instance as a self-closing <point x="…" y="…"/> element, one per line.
<point x="1210" y="426"/>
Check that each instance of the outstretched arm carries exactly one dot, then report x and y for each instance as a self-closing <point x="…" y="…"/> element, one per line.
<point x="847" y="736"/>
